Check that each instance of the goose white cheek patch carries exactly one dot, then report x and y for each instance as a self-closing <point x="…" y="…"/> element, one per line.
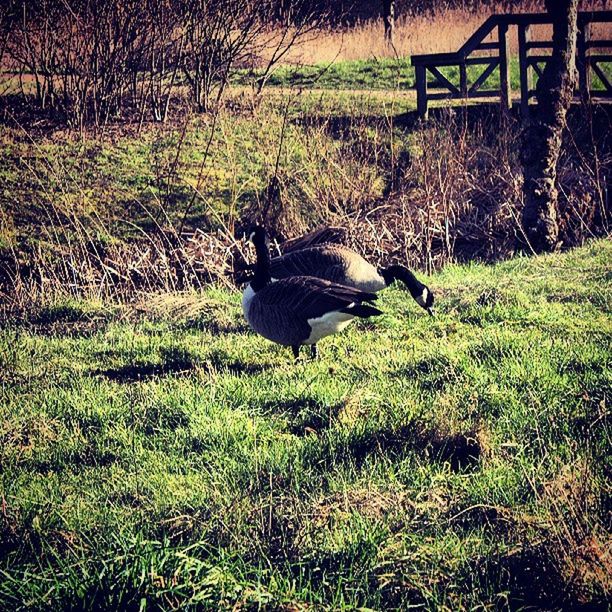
<point x="421" y="300"/>
<point x="247" y="296"/>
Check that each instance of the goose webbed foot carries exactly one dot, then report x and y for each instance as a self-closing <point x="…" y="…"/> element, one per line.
<point x="296" y="352"/>
<point x="314" y="353"/>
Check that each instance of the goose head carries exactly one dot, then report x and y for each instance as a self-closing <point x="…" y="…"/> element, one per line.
<point x="257" y="235"/>
<point x="426" y="300"/>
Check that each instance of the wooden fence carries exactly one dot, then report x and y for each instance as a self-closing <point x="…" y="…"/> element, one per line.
<point x="532" y="58"/>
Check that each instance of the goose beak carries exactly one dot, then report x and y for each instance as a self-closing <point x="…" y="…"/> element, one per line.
<point x="431" y="311"/>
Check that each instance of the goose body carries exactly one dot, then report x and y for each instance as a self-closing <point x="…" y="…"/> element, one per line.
<point x="341" y="265"/>
<point x="299" y="310"/>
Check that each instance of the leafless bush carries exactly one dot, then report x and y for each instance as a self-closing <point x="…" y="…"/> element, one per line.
<point x="92" y="60"/>
<point x="155" y="68"/>
<point x="218" y="35"/>
<point x="78" y="54"/>
<point x="448" y="190"/>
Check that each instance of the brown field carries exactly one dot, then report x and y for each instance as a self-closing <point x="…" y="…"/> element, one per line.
<point x="444" y="31"/>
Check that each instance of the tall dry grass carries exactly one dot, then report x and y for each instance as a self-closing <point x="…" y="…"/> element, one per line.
<point x="424" y="195"/>
<point x="444" y="30"/>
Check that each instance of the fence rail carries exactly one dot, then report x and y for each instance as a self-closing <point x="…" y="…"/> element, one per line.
<point x="589" y="59"/>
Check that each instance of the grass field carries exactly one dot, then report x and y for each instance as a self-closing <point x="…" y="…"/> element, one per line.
<point x="161" y="455"/>
<point x="384" y="74"/>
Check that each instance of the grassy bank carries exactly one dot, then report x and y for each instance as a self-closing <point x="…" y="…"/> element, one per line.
<point x="161" y="455"/>
<point x="139" y="207"/>
<point x="384" y="73"/>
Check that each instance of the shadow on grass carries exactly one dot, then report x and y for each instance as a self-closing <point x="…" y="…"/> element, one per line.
<point x="304" y="415"/>
<point x="179" y="362"/>
<point x="174" y="362"/>
<point x="66" y="320"/>
<point x="532" y="578"/>
<point x="432" y="373"/>
<point x="219" y="361"/>
<point x="462" y="451"/>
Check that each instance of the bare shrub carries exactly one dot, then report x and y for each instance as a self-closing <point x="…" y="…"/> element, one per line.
<point x="78" y="55"/>
<point x="447" y="190"/>
<point x="90" y="61"/>
<point x="154" y="65"/>
<point x="423" y="194"/>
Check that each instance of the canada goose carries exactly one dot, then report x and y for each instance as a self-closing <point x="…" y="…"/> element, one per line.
<point x="340" y="264"/>
<point x="327" y="234"/>
<point x="321" y="253"/>
<point x="301" y="309"/>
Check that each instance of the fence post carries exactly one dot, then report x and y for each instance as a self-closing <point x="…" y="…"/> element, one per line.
<point x="524" y="36"/>
<point x="463" y="86"/>
<point x="504" y="67"/>
<point x="421" y="85"/>
<point x="582" y="61"/>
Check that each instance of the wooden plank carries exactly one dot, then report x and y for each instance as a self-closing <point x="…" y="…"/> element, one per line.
<point x="582" y="61"/>
<point x="504" y="67"/>
<point x="456" y="61"/>
<point x="600" y="57"/>
<point x="443" y="81"/>
<point x="597" y="44"/>
<point x="463" y="82"/>
<point x="434" y="58"/>
<point x="482" y="93"/>
<point x="595" y="94"/>
<point x="594" y="17"/>
<point x="421" y="86"/>
<point x="525" y="76"/>
<point x="602" y="75"/>
<point x="484" y="75"/>
<point x="442" y="95"/>
<point x="485" y="93"/>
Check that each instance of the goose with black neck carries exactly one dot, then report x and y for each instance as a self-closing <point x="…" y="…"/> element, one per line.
<point x="299" y="310"/>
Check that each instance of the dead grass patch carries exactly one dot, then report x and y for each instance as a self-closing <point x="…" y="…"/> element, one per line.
<point x="443" y="30"/>
<point x="370" y="503"/>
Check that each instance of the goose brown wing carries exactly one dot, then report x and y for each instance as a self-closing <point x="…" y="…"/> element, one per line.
<point x="307" y="297"/>
<point x="281" y="310"/>
<point x="322" y="235"/>
<point x="328" y="261"/>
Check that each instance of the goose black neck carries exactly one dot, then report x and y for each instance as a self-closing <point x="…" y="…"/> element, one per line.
<point x="401" y="273"/>
<point x="262" y="266"/>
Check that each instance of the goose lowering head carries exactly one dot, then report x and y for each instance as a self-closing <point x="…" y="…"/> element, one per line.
<point x="299" y="309"/>
<point x="339" y="264"/>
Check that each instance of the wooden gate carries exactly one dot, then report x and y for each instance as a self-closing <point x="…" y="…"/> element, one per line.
<point x="531" y="61"/>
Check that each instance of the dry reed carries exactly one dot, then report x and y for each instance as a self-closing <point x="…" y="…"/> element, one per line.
<point x="445" y="30"/>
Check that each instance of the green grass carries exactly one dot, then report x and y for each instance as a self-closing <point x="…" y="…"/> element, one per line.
<point x="384" y="74"/>
<point x="157" y="461"/>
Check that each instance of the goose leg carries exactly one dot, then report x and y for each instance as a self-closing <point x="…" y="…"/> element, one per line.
<point x="314" y="353"/>
<point x="296" y="351"/>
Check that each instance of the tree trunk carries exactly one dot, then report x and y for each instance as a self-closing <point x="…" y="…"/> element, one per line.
<point x="542" y="135"/>
<point x="389" y="20"/>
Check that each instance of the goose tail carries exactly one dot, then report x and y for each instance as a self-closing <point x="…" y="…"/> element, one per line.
<point x="363" y="311"/>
